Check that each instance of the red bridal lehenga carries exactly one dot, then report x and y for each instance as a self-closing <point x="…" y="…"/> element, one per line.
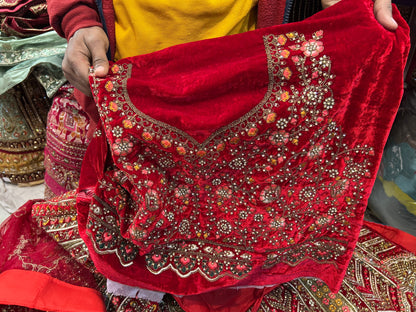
<point x="233" y="175"/>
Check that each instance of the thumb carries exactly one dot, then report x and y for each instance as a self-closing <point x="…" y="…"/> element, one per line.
<point x="99" y="60"/>
<point x="383" y="14"/>
<point x="327" y="3"/>
<point x="100" y="65"/>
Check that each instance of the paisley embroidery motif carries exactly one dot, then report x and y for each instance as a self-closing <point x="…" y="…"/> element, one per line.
<point x="247" y="195"/>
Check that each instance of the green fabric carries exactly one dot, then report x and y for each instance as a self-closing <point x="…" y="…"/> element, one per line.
<point x="40" y="54"/>
<point x="399" y="164"/>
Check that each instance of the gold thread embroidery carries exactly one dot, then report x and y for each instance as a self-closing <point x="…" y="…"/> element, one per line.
<point x="331" y="173"/>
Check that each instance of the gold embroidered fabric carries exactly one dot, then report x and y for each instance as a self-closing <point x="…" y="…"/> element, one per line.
<point x="23" y="113"/>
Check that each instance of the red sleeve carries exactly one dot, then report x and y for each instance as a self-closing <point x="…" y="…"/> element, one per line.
<point x="270" y="12"/>
<point x="66" y="17"/>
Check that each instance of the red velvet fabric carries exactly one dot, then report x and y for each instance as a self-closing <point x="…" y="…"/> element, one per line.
<point x="225" y="300"/>
<point x="245" y="160"/>
<point x="69" y="16"/>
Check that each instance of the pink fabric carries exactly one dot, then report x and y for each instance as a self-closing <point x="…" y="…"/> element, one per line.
<point x="66" y="142"/>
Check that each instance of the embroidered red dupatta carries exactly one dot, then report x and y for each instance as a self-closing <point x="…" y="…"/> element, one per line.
<point x="241" y="161"/>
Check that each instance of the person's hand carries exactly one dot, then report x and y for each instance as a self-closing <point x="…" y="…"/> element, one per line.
<point x="382" y="12"/>
<point x="86" y="48"/>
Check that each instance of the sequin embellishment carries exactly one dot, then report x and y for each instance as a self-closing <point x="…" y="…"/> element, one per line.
<point x="248" y="195"/>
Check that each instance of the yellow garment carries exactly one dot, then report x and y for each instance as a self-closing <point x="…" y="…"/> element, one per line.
<point x="392" y="190"/>
<point x="144" y="26"/>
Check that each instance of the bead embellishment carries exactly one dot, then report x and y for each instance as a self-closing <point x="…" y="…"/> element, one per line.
<point x="247" y="195"/>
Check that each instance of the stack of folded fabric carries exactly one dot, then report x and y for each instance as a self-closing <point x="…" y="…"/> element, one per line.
<point x="30" y="74"/>
<point x="24" y="18"/>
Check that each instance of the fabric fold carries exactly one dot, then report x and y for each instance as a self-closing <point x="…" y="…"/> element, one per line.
<point x="242" y="160"/>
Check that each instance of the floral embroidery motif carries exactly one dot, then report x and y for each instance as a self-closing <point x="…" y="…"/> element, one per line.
<point x="122" y="147"/>
<point x="245" y="196"/>
<point x="312" y="47"/>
